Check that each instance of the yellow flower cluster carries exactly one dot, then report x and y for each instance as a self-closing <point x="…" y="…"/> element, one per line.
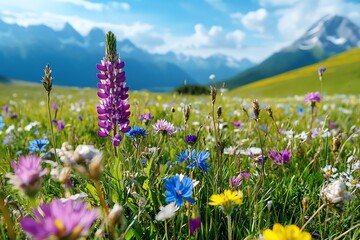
<point x="289" y="232"/>
<point x="227" y="198"/>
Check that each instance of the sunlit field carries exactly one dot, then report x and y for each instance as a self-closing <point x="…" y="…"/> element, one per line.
<point x="214" y="166"/>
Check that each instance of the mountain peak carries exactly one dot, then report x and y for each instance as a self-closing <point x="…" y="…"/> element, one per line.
<point x="332" y="33"/>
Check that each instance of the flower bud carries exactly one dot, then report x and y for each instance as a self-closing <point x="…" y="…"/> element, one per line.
<point x="95" y="167"/>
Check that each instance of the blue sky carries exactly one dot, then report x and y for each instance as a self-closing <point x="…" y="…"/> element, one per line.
<point x="238" y="28"/>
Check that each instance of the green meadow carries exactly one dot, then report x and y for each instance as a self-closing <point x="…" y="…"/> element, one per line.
<point x="252" y="164"/>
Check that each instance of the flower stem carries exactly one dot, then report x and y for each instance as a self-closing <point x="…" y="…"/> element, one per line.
<point x="51" y="129"/>
<point x="7" y="219"/>
<point x="229" y="226"/>
<point x="308" y="221"/>
<point x="347" y="231"/>
<point x="101" y="197"/>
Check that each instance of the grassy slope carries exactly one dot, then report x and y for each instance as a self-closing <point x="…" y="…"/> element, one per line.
<point x="341" y="77"/>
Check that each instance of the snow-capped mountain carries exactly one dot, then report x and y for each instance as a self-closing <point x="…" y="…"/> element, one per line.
<point x="331" y="34"/>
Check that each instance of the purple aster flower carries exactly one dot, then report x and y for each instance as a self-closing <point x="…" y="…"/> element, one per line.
<point x="114" y="108"/>
<point x="146" y="117"/>
<point x="60" y="125"/>
<point x="179" y="187"/>
<point x="28" y="174"/>
<point x="164" y="127"/>
<point x="312" y="97"/>
<point x="191" y="139"/>
<point x="69" y="219"/>
<point x="199" y="160"/>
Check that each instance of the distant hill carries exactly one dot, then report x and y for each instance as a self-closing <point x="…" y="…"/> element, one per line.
<point x="327" y="37"/>
<point x="341" y="77"/>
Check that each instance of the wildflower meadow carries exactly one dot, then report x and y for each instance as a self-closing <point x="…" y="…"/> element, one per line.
<point x="112" y="163"/>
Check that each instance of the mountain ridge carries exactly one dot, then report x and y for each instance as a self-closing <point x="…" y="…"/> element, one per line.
<point x="292" y="57"/>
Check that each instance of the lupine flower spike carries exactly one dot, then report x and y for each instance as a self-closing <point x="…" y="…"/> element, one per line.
<point x="114" y="108"/>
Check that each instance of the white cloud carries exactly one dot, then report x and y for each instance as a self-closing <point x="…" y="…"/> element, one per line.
<point x="85" y="4"/>
<point x="277" y="2"/>
<point x="217" y="4"/>
<point x="91" y="6"/>
<point x="254" y="20"/>
<point x="296" y="19"/>
<point x="82" y="25"/>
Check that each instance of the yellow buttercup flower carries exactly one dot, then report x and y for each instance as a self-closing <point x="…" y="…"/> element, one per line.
<point x="289" y="232"/>
<point x="227" y="198"/>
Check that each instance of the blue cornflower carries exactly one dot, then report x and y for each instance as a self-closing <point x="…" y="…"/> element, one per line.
<point x="199" y="160"/>
<point x="179" y="187"/>
<point x="1" y="122"/>
<point x="38" y="145"/>
<point x="183" y="156"/>
<point x="136" y="133"/>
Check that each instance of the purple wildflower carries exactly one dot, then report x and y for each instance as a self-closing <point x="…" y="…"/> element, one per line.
<point x="146" y="117"/>
<point x="60" y="125"/>
<point x="332" y="125"/>
<point x="114" y="108"/>
<point x="191" y="139"/>
<point x="280" y="157"/>
<point x="312" y="97"/>
<point x="28" y="175"/>
<point x="80" y="118"/>
<point x="321" y="70"/>
<point x="5" y="109"/>
<point x="69" y="219"/>
<point x="195" y="224"/>
<point x="164" y="127"/>
<point x="236" y="181"/>
<point x="237" y="124"/>
<point x="54" y="106"/>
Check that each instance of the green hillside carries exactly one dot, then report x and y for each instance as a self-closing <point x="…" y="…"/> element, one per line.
<point x="341" y="77"/>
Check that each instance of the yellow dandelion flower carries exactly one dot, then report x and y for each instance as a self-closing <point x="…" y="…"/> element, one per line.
<point x="227" y="198"/>
<point x="289" y="232"/>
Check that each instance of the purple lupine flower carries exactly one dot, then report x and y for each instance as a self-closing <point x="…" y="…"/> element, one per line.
<point x="27" y="175"/>
<point x="164" y="127"/>
<point x="146" y="117"/>
<point x="191" y="139"/>
<point x="312" y="97"/>
<point x="114" y="108"/>
<point x="69" y="219"/>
